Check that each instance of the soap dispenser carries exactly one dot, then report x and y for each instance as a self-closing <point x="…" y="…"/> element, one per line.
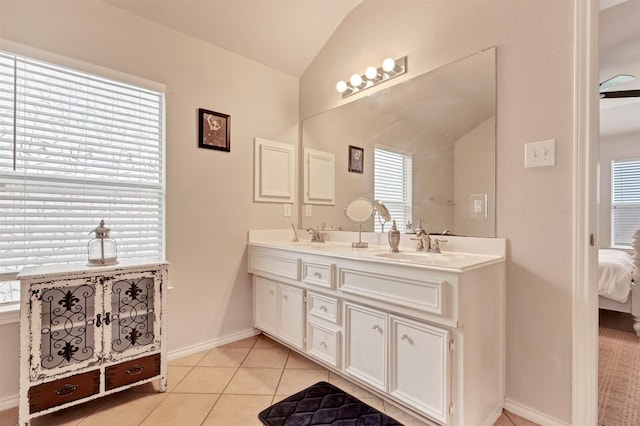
<point x="394" y="238"/>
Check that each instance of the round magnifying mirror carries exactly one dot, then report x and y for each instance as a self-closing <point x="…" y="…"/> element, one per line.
<point x="359" y="210"/>
<point x="382" y="210"/>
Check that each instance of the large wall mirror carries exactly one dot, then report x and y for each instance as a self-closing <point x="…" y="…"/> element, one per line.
<point x="429" y="150"/>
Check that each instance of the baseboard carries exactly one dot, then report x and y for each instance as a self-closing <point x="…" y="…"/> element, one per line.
<point x="10" y="402"/>
<point x="531" y="414"/>
<point x="209" y="344"/>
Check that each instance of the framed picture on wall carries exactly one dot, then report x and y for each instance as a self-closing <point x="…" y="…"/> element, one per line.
<point x="213" y="131"/>
<point x="356" y="159"/>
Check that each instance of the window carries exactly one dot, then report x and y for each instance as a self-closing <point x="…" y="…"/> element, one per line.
<point x="76" y="148"/>
<point x="625" y="202"/>
<point x="392" y="185"/>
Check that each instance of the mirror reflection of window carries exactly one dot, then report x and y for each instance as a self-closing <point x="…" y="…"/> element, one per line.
<point x="392" y="185"/>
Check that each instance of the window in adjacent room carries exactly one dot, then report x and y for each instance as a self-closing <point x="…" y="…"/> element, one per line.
<point x="392" y="186"/>
<point x="625" y="201"/>
<point x="76" y="148"/>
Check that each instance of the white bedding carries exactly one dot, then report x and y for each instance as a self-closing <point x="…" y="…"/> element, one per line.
<point x="616" y="269"/>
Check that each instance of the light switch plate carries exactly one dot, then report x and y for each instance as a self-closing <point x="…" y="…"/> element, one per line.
<point x="287" y="209"/>
<point x="307" y="210"/>
<point x="540" y="154"/>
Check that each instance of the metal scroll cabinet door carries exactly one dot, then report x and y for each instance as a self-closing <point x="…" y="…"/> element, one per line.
<point x="132" y="321"/>
<point x="64" y="322"/>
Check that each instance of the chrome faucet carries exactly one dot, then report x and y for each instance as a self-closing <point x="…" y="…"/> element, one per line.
<point x="317" y="236"/>
<point x="424" y="240"/>
<point x="435" y="245"/>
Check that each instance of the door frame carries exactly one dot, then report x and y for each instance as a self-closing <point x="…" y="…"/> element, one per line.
<point x="585" y="157"/>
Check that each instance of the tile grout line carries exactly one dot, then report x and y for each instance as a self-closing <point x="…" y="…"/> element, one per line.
<point x="168" y="392"/>
<point x="506" y="413"/>
<point x="230" y="380"/>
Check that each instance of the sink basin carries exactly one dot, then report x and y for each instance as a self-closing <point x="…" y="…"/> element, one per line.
<point x="422" y="256"/>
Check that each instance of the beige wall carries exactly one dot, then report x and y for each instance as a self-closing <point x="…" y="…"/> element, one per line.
<point x="534" y="41"/>
<point x="209" y="193"/>
<point x="473" y="152"/>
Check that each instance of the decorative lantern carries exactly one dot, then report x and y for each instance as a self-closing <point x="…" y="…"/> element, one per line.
<point x="102" y="249"/>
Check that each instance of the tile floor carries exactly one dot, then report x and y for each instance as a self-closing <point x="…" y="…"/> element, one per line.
<point x="225" y="386"/>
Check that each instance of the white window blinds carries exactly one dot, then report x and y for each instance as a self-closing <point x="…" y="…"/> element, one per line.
<point x="76" y="148"/>
<point x="625" y="203"/>
<point x="392" y="185"/>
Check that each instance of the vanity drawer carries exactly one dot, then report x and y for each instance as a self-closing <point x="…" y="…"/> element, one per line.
<point x="425" y="294"/>
<point x="133" y="371"/>
<point x="323" y="343"/>
<point x="274" y="262"/>
<point x="316" y="273"/>
<point x="61" y="391"/>
<point x="323" y="307"/>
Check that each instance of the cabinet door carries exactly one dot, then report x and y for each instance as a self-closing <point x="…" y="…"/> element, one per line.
<point x="132" y="316"/>
<point x="291" y="318"/>
<point x="420" y="360"/>
<point x="65" y="333"/>
<point x="265" y="300"/>
<point x="366" y="346"/>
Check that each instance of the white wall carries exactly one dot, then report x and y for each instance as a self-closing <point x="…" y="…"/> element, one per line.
<point x="534" y="43"/>
<point x="612" y="147"/>
<point x="209" y="193"/>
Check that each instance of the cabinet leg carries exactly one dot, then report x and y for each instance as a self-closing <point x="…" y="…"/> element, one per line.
<point x="163" y="384"/>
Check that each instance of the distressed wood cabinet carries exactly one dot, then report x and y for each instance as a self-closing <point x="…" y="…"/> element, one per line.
<point x="89" y="331"/>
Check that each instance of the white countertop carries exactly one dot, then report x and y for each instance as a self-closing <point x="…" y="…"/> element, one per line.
<point x="446" y="261"/>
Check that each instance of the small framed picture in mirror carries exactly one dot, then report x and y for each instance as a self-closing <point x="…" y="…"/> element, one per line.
<point x="356" y="159"/>
<point x="213" y="130"/>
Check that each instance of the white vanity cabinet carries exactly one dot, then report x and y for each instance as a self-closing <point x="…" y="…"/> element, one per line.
<point x="420" y="361"/>
<point x="430" y="339"/>
<point x="291" y="315"/>
<point x="279" y="310"/>
<point x="366" y="345"/>
<point x="88" y="331"/>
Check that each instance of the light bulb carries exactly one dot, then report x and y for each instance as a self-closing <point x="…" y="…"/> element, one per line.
<point x="356" y="80"/>
<point x="341" y="86"/>
<point x="371" y="72"/>
<point x="388" y="64"/>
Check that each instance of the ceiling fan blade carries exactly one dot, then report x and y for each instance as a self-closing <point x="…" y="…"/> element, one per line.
<point x="614" y="81"/>
<point x="620" y="94"/>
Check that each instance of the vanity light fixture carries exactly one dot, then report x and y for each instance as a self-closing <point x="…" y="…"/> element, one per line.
<point x="390" y="68"/>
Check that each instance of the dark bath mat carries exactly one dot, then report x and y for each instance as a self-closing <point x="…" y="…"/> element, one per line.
<point x="324" y="404"/>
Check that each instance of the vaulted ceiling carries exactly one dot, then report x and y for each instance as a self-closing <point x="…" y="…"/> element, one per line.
<point x="282" y="34"/>
<point x="286" y="35"/>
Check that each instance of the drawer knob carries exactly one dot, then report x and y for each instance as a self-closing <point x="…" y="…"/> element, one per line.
<point x="135" y="370"/>
<point x="66" y="390"/>
<point x="284" y="297"/>
<point x="404" y="337"/>
<point x="375" y="327"/>
<point x="323" y="308"/>
<point x="323" y="344"/>
<point x="317" y="274"/>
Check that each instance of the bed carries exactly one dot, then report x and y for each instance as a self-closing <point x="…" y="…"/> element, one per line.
<point x="619" y="281"/>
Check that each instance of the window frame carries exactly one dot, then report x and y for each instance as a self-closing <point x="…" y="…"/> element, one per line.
<point x="621" y="191"/>
<point x="116" y="78"/>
